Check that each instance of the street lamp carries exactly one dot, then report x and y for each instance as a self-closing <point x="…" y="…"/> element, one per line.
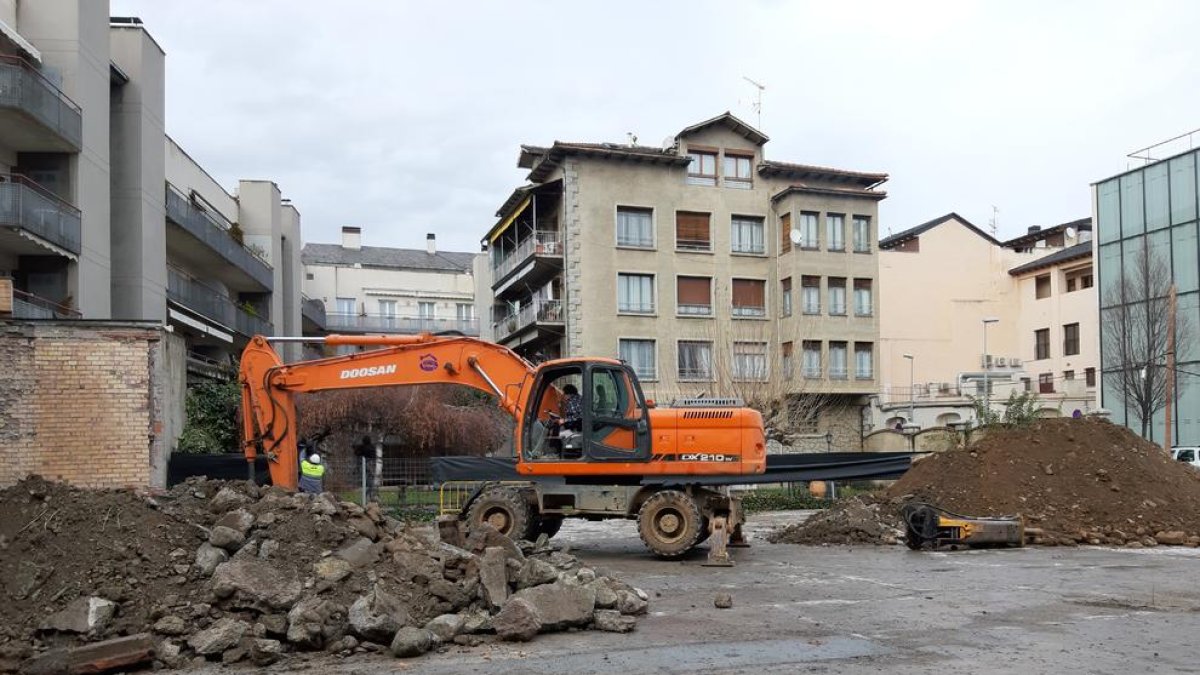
<point x="912" y="388"/>
<point x="987" y="366"/>
<point x="828" y="441"/>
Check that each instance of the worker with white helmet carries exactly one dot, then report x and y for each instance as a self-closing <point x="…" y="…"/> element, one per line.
<point x="312" y="473"/>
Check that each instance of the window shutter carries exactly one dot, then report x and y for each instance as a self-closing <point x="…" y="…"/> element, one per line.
<point x="691" y="226"/>
<point x="694" y="291"/>
<point x="749" y="293"/>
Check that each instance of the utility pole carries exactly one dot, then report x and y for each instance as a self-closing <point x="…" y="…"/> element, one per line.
<point x="1170" y="366"/>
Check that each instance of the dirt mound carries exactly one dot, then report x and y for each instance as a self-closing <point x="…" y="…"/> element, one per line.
<point x="228" y="571"/>
<point x="855" y="520"/>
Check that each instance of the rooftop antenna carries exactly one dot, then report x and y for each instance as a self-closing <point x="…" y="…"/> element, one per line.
<point x="757" y="105"/>
<point x="994" y="221"/>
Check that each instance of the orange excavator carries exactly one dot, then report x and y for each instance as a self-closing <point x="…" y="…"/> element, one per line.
<point x="589" y="442"/>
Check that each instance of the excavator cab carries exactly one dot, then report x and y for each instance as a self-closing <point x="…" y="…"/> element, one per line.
<point x="586" y="410"/>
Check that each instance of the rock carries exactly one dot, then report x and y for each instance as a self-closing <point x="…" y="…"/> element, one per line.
<point x="493" y="576"/>
<point x="517" y="621"/>
<point x="1048" y="469"/>
<point x="365" y="527"/>
<point x="314" y="622"/>
<point x="170" y="653"/>
<point x="323" y="504"/>
<point x="332" y="568"/>
<point x="360" y="553"/>
<point x="237" y="519"/>
<point x="264" y="652"/>
<point x="561" y="605"/>
<point x="226" y="538"/>
<point x="208" y="557"/>
<point x="606" y="597"/>
<point x="342" y="646"/>
<point x="1149" y="542"/>
<point x="1134" y="544"/>
<point x="723" y="601"/>
<point x="82" y="615"/>
<point x="629" y="602"/>
<point x="484" y="536"/>
<point x="255" y="584"/>
<point x="276" y="624"/>
<point x="452" y="593"/>
<point x="445" y="627"/>
<point x="586" y="575"/>
<point x="1171" y="538"/>
<point x="227" y="498"/>
<point x="222" y="635"/>
<point x="377" y="616"/>
<point x="267" y="548"/>
<point x="410" y="641"/>
<point x="477" y="621"/>
<point x="612" y="621"/>
<point x="237" y="652"/>
<point x="535" y="572"/>
<point x="171" y="625"/>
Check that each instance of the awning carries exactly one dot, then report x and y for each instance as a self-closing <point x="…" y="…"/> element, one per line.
<point x="509" y="220"/>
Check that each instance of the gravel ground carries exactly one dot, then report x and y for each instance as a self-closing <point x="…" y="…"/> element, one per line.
<point x="864" y="610"/>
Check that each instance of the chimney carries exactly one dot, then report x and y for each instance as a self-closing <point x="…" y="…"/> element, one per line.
<point x="351" y="238"/>
<point x="431" y="243"/>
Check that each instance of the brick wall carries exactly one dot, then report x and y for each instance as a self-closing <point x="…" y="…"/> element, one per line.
<point x="86" y="402"/>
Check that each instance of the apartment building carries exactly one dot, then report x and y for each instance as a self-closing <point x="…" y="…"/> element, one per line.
<point x="102" y="216"/>
<point x="942" y="279"/>
<point x="377" y="289"/>
<point x="706" y="266"/>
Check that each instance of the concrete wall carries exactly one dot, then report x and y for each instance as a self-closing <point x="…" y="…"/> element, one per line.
<point x="369" y="285"/>
<point x="292" y="269"/>
<point x="186" y="174"/>
<point x="260" y="214"/>
<point x="1079" y="306"/>
<point x="89" y="403"/>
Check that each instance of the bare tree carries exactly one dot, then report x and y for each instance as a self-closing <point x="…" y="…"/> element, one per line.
<point x="1134" y="327"/>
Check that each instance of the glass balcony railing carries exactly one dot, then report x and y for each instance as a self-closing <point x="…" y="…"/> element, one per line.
<point x="23" y="88"/>
<point x="217" y="306"/>
<point x="313" y="310"/>
<point x="30" y="306"/>
<point x="213" y="230"/>
<point x="27" y="205"/>
<point x="390" y="323"/>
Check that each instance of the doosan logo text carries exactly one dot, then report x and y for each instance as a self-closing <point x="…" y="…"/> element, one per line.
<point x="351" y="373"/>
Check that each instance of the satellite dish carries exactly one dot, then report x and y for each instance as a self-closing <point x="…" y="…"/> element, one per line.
<point x="1070" y="232"/>
<point x="795" y="236"/>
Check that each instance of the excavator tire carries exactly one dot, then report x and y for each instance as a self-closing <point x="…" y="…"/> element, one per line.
<point x="670" y="523"/>
<point x="504" y="509"/>
<point x="548" y="525"/>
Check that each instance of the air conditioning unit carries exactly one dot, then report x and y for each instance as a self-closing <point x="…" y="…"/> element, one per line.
<point x="1001" y="361"/>
<point x="1014" y="361"/>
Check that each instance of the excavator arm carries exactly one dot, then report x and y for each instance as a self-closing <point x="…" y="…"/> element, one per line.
<point x="269" y="385"/>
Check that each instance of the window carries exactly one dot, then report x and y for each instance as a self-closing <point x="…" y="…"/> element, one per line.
<point x="785" y="233"/>
<point x="1070" y="339"/>
<point x="635" y="293"/>
<point x="635" y="227"/>
<point x="835" y="227"/>
<point x="695" y="360"/>
<point x="737" y="171"/>
<point x="837" y="296"/>
<point x="746" y="235"/>
<point x="1089" y="377"/>
<point x="862" y="234"/>
<point x="346" y="306"/>
<point x="1041" y="344"/>
<point x="693" y="296"/>
<point x="812" y="358"/>
<point x="465" y="311"/>
<point x="1077" y="280"/>
<point x="1068" y="375"/>
<point x="1046" y="383"/>
<point x="1041" y="286"/>
<point x="786" y="354"/>
<point x="810" y="294"/>
<point x="837" y="360"/>
<point x="862" y="297"/>
<point x="749" y="297"/>
<point x="750" y="361"/>
<point x="703" y="169"/>
<point x="1027" y="383"/>
<point x="692" y="232"/>
<point x="639" y="354"/>
<point x="387" y="311"/>
<point x="308" y="276"/>
<point x="426" y="310"/>
<point x="785" y="297"/>
<point x="808" y="230"/>
<point x="863" y="360"/>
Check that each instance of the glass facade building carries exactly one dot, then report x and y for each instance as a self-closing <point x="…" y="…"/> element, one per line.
<point x="1153" y="209"/>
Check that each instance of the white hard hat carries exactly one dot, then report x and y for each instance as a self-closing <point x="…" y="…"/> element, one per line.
<point x="314" y="458"/>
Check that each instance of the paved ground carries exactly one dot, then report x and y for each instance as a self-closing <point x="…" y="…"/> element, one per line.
<point x="869" y="610"/>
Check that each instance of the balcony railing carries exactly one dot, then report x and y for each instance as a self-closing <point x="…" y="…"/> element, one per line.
<point x="693" y="245"/>
<point x="207" y="301"/>
<point x="545" y="311"/>
<point x="30" y="306"/>
<point x="695" y="310"/>
<point x="541" y="243"/>
<point x="313" y="310"/>
<point x="213" y="230"/>
<point x="749" y="310"/>
<point x="390" y="323"/>
<point x="24" y="88"/>
<point x="29" y="206"/>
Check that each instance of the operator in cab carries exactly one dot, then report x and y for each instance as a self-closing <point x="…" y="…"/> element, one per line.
<point x="571" y="408"/>
<point x="312" y="473"/>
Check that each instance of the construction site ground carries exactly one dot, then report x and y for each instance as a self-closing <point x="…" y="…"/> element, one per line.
<point x="863" y="609"/>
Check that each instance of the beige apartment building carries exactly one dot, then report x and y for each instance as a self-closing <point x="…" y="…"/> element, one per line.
<point x="707" y="267"/>
<point x="378" y="289"/>
<point x="102" y="216"/>
<point x="940" y="280"/>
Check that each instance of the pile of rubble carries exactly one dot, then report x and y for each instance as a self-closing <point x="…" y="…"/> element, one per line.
<point x="229" y="572"/>
<point x="855" y="520"/>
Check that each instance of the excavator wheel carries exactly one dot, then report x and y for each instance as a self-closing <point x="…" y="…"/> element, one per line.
<point x="670" y="523"/>
<point x="548" y="525"/>
<point x="504" y="509"/>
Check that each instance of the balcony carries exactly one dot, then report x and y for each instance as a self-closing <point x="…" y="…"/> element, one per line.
<point x="312" y="312"/>
<point x="35" y="115"/>
<point x="25" y="205"/>
<point x="544" y="250"/>
<point x="213" y="231"/>
<point x="214" y="305"/>
<point x="405" y="325"/>
<point x="30" y="306"/>
<point x="534" y="315"/>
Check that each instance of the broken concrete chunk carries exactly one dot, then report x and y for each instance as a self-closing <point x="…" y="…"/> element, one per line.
<point x="630" y="603"/>
<point x="237" y="519"/>
<point x="723" y="601"/>
<point x="517" y="621"/>
<point x="606" y="597"/>
<point x="331" y="568"/>
<point x="82" y="615"/>
<point x="365" y="527"/>
<point x="445" y="627"/>
<point x="377" y="616"/>
<point x="227" y="498"/>
<point x="535" y="572"/>
<point x="493" y="576"/>
<point x="264" y="652"/>
<point x="226" y="538"/>
<point x="171" y="625"/>
<point x="314" y="621"/>
<point x="255" y="584"/>
<point x="208" y="557"/>
<point x="477" y="621"/>
<point x="561" y="605"/>
<point x="359" y="553"/>
<point x="612" y="621"/>
<point x="218" y="637"/>
<point x="410" y="641"/>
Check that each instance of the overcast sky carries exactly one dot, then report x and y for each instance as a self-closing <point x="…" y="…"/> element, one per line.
<point x="406" y="117"/>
